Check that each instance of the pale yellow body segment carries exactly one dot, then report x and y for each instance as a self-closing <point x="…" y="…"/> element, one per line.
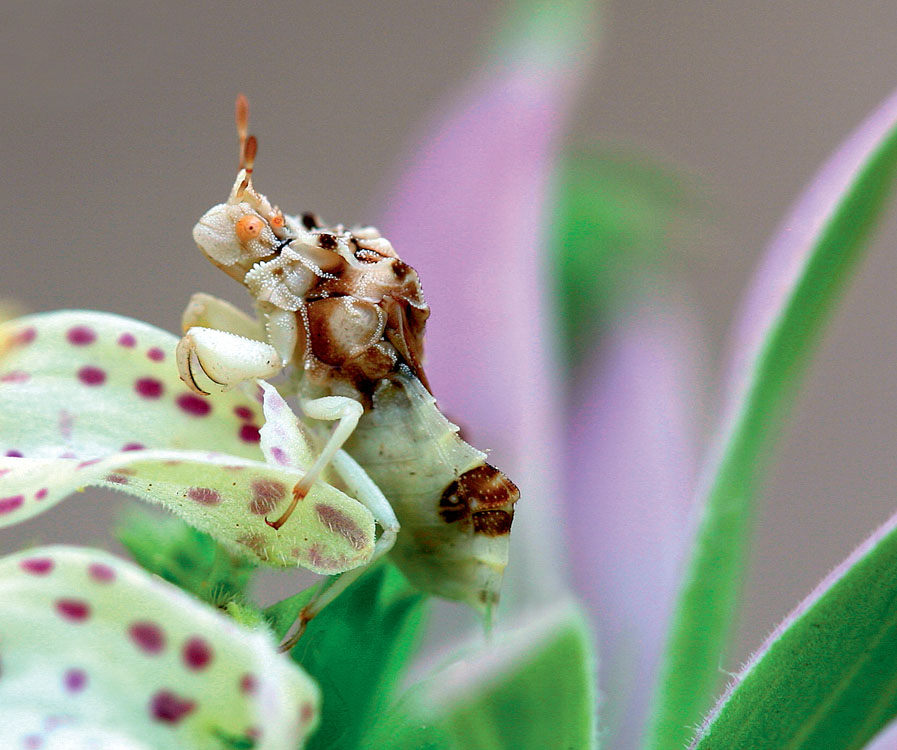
<point x="414" y="453"/>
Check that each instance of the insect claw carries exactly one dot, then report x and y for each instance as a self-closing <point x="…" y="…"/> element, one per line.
<point x="287" y="645"/>
<point x="193" y="384"/>
<point x="299" y="493"/>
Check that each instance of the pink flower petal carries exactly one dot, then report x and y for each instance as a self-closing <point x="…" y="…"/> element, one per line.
<point x="631" y="467"/>
<point x="793" y="242"/>
<point x="470" y="215"/>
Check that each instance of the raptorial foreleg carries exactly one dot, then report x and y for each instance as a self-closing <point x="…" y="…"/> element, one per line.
<point x="207" y="311"/>
<point x="212" y="360"/>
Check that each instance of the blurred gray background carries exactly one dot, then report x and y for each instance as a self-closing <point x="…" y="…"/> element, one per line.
<point x="118" y="134"/>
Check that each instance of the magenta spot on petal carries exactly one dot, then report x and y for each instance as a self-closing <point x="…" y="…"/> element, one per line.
<point x="156" y="354"/>
<point x="81" y="336"/>
<point x="193" y="404"/>
<point x="39" y="566"/>
<point x="33" y="742"/>
<point x="41" y="493"/>
<point x="127" y="339"/>
<point x="243" y="412"/>
<point x="306" y="712"/>
<point x="9" y="504"/>
<point x="101" y="573"/>
<point x="148" y="636"/>
<point x="169" y="708"/>
<point x="90" y="375"/>
<point x="149" y="387"/>
<point x="75" y="610"/>
<point x="279" y="455"/>
<point x="75" y="680"/>
<point x="133" y="447"/>
<point x="265" y="494"/>
<point x="116" y="479"/>
<point x="248" y="684"/>
<point x="89" y="462"/>
<point x="15" y="376"/>
<point x="14" y="454"/>
<point x="204" y="495"/>
<point x="249" y="433"/>
<point x="197" y="654"/>
<point x="25" y="336"/>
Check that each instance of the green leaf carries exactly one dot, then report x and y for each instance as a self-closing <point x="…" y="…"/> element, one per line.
<point x="612" y="220"/>
<point x="194" y="561"/>
<point x="527" y="690"/>
<point x="90" y="398"/>
<point x="826" y="679"/>
<point x="98" y="653"/>
<point x="356" y="650"/>
<point x="808" y="266"/>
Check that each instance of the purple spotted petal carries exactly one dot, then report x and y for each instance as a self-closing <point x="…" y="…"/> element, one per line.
<point x="283" y="439"/>
<point x="793" y="243"/>
<point x="93" y="402"/>
<point x="96" y="653"/>
<point x="631" y="463"/>
<point x="469" y="213"/>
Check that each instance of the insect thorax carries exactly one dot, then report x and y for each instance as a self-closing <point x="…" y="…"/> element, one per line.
<point x="361" y="309"/>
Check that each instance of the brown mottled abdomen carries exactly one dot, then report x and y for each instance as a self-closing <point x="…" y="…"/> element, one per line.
<point x="482" y="496"/>
<point x="455" y="509"/>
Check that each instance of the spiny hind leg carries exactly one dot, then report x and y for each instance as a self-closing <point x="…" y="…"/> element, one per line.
<point x="347" y="411"/>
<point x="206" y="311"/>
<point x="212" y="360"/>
<point x="368" y="493"/>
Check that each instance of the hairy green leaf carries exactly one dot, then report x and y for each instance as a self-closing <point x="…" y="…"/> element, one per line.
<point x="826" y="679"/>
<point x="807" y="267"/>
<point x="530" y="689"/>
<point x="194" y="561"/>
<point x="356" y="649"/>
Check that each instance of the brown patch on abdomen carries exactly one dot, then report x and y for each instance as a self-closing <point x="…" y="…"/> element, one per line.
<point x="485" y="496"/>
<point x="492" y="522"/>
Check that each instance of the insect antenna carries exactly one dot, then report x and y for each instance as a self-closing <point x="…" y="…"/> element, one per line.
<point x="242" y="118"/>
<point x="246" y="163"/>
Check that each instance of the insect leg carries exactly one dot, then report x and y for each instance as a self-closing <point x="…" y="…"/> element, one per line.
<point x="207" y="311"/>
<point x="368" y="493"/>
<point x="348" y="411"/>
<point x="223" y="359"/>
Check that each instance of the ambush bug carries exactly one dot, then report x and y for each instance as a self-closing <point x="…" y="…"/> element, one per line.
<point x="341" y="308"/>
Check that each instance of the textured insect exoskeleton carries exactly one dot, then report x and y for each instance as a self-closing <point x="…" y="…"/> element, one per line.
<point x="348" y="314"/>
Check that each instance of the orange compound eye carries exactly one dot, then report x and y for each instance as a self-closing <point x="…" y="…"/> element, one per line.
<point x="249" y="227"/>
